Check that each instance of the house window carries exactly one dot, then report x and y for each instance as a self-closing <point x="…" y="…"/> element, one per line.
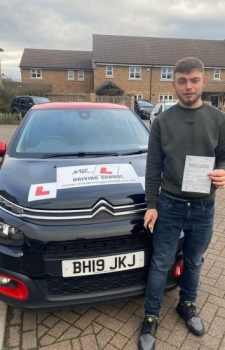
<point x="80" y="75"/>
<point x="138" y="97"/>
<point x="165" y="98"/>
<point x="109" y="71"/>
<point x="135" y="73"/>
<point x="36" y="73"/>
<point x="70" y="75"/>
<point x="216" y="73"/>
<point x="167" y="73"/>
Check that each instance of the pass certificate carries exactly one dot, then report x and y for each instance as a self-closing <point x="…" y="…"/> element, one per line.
<point x="195" y="177"/>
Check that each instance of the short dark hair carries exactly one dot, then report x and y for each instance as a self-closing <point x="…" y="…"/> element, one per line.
<point x="188" y="64"/>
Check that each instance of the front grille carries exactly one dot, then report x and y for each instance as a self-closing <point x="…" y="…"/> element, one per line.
<point x="82" y="248"/>
<point x="102" y="206"/>
<point x="92" y="284"/>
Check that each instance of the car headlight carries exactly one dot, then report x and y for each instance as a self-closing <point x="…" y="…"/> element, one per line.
<point x="10" y="235"/>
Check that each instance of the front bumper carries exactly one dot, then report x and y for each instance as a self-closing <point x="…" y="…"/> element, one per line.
<point x="38" y="264"/>
<point x="39" y="301"/>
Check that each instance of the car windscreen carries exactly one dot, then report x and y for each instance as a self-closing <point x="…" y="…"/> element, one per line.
<point x="167" y="106"/>
<point x="72" y="131"/>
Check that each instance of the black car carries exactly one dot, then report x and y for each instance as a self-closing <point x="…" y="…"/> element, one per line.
<point x="143" y="108"/>
<point x="21" y="104"/>
<point x="72" y="202"/>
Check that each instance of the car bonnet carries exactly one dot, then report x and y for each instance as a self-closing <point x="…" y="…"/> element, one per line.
<point x="58" y="184"/>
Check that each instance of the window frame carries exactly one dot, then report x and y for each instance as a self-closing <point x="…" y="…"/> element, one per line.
<point x="107" y="70"/>
<point x="168" y="71"/>
<point x="138" y="97"/>
<point x="163" y="98"/>
<point x="217" y="71"/>
<point x="78" y="74"/>
<point x="36" y="73"/>
<point x="70" y="75"/>
<point x="136" y="71"/>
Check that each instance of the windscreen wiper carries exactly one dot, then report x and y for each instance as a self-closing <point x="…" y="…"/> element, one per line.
<point x="80" y="154"/>
<point x="140" y="151"/>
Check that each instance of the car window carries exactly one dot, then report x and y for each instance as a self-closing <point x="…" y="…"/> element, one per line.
<point x="168" y="106"/>
<point x="22" y="101"/>
<point x="160" y="109"/>
<point x="97" y="130"/>
<point x="29" y="101"/>
<point x="145" y="104"/>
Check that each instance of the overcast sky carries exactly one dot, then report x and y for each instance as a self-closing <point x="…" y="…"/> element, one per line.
<point x="69" y="24"/>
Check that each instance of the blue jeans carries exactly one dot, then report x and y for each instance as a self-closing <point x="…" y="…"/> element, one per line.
<point x="196" y="220"/>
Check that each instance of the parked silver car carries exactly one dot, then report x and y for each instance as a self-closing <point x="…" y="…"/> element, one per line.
<point x="159" y="108"/>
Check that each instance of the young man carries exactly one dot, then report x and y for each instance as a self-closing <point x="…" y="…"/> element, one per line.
<point x="189" y="128"/>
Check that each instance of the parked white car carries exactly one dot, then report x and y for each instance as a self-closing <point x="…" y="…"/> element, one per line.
<point x="159" y="108"/>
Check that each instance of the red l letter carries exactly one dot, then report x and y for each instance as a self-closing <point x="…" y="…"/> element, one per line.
<point x="40" y="192"/>
<point x="104" y="171"/>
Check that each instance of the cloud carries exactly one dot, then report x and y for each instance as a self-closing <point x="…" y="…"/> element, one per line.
<point x="69" y="24"/>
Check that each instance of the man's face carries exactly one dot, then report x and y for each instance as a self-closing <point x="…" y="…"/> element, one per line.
<point x="189" y="88"/>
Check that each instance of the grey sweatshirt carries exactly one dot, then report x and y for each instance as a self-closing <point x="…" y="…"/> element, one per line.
<point x="178" y="132"/>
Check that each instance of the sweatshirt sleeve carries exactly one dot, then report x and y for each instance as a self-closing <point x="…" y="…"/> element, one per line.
<point x="220" y="149"/>
<point x="154" y="166"/>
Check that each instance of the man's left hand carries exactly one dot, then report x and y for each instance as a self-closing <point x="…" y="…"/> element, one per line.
<point x="218" y="177"/>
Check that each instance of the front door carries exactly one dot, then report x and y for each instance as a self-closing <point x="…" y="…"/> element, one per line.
<point x="215" y="101"/>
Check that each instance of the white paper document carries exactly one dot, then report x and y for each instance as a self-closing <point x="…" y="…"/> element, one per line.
<point x="195" y="177"/>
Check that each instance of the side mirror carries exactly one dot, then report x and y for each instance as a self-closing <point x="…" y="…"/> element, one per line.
<point x="156" y="114"/>
<point x="2" y="148"/>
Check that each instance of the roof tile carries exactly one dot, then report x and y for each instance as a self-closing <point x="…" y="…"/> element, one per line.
<point x="156" y="51"/>
<point x="60" y="59"/>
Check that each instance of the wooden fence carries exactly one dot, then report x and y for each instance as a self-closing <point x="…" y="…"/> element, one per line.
<point x="8" y="118"/>
<point x="66" y="97"/>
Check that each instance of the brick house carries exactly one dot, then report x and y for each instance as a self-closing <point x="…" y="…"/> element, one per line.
<point x="59" y="71"/>
<point x="143" y="66"/>
<point x="121" y="66"/>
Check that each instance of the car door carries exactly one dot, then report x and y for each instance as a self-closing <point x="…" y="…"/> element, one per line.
<point x="22" y="105"/>
<point x="29" y="104"/>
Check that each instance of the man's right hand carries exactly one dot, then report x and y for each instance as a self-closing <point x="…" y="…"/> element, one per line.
<point x="150" y="218"/>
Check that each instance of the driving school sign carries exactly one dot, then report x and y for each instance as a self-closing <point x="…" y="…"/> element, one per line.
<point x="95" y="175"/>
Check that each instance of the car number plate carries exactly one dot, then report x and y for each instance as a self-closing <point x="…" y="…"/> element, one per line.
<point x="103" y="264"/>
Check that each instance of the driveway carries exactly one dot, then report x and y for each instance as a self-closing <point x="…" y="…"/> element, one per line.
<point x="116" y="326"/>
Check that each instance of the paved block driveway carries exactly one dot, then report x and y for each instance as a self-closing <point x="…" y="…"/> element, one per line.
<point x="116" y="326"/>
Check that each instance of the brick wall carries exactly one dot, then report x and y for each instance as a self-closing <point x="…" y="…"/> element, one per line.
<point x="150" y="86"/>
<point x="121" y="78"/>
<point x="160" y="87"/>
<point x="60" y="82"/>
<point x="209" y="73"/>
